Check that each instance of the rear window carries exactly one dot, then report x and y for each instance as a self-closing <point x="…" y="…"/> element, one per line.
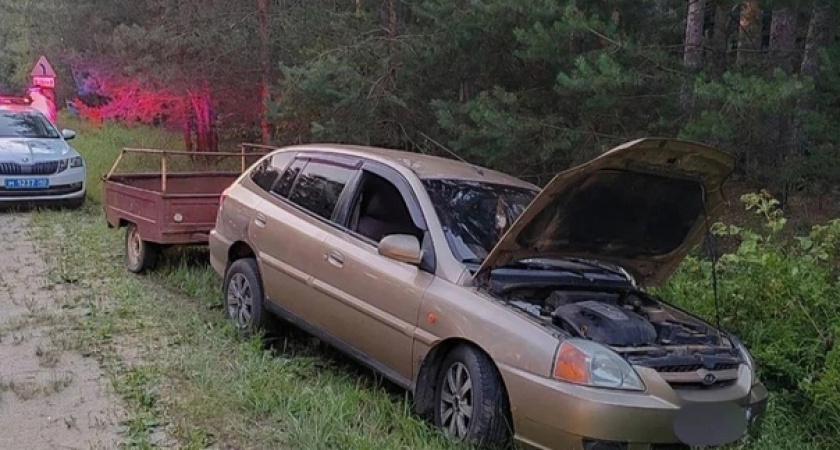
<point x="265" y="174"/>
<point x="284" y="186"/>
<point x="320" y="185"/>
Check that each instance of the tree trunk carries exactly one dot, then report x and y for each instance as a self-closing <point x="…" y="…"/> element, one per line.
<point x="693" y="53"/>
<point x="820" y="33"/>
<point x="782" y="34"/>
<point x="720" y="39"/>
<point x="265" y="62"/>
<point x="749" y="33"/>
<point x="391" y="26"/>
<point x="202" y="113"/>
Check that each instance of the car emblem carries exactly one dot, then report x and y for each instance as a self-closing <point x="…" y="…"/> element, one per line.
<point x="709" y="379"/>
<point x="24" y="159"/>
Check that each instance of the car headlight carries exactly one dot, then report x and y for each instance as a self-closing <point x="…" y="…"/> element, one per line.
<point x="591" y="364"/>
<point x="746" y="356"/>
<point x="76" y="161"/>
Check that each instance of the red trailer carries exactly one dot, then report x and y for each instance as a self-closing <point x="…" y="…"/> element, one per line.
<point x="161" y="209"/>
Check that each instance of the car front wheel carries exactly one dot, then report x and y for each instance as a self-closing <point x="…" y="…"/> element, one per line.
<point x="244" y="298"/>
<point x="471" y="404"/>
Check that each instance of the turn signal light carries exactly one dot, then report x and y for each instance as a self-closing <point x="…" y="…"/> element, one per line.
<point x="571" y="365"/>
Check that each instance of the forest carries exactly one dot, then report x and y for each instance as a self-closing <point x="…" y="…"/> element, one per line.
<point x="529" y="87"/>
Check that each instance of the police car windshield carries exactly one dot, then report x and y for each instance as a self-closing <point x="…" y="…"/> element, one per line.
<point x="26" y="124"/>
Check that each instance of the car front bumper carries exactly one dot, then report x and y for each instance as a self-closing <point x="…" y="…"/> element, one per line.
<point x="65" y="186"/>
<point x="552" y="415"/>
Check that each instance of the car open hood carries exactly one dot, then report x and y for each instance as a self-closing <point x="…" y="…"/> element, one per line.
<point x="642" y="205"/>
<point x="31" y="150"/>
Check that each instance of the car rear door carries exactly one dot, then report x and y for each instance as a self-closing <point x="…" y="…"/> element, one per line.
<point x="289" y="226"/>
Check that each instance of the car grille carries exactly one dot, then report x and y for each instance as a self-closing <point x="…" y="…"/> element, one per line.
<point x="40" y="168"/>
<point x="695" y="367"/>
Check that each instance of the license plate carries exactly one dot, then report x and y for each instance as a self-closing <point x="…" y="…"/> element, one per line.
<point x="27" y="183"/>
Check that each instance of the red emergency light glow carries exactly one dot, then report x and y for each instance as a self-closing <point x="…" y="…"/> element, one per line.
<point x="13" y="100"/>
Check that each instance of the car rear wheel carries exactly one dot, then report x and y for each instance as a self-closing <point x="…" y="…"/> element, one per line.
<point x="140" y="255"/>
<point x="244" y="298"/>
<point x="470" y="401"/>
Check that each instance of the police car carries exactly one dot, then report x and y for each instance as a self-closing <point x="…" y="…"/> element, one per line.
<point x="37" y="165"/>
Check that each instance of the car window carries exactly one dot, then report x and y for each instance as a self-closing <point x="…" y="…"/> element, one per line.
<point x="287" y="180"/>
<point x="319" y="186"/>
<point x="26" y="124"/>
<point x="381" y="210"/>
<point x="267" y="172"/>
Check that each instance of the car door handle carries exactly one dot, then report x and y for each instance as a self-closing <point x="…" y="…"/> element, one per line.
<point x="259" y="220"/>
<point x="335" y="258"/>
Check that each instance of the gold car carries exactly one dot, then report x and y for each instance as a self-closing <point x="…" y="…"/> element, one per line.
<point x="511" y="313"/>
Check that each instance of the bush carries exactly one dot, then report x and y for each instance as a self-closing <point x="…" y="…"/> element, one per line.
<point x="781" y="297"/>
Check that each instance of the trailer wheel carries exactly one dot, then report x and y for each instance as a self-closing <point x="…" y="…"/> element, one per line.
<point x="140" y="255"/>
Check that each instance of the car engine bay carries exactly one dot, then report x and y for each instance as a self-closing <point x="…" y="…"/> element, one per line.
<point x="642" y="329"/>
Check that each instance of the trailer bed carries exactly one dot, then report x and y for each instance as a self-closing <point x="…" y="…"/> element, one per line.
<point x="184" y="214"/>
<point x="159" y="209"/>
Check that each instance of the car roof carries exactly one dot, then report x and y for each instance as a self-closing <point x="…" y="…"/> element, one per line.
<point x="426" y="167"/>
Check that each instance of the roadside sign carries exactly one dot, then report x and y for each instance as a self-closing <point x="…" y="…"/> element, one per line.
<point x="42" y="68"/>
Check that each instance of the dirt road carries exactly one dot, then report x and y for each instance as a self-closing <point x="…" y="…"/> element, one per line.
<point x="50" y="395"/>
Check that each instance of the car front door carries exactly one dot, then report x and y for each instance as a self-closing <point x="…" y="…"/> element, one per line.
<point x="376" y="299"/>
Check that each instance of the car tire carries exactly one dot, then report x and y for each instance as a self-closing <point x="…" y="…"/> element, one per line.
<point x="471" y="404"/>
<point x="244" y="299"/>
<point x="140" y="255"/>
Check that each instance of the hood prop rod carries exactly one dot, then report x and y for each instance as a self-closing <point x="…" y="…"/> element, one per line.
<point x="712" y="248"/>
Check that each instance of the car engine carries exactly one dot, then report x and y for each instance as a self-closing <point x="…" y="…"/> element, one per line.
<point x="644" y="330"/>
<point x="617" y="319"/>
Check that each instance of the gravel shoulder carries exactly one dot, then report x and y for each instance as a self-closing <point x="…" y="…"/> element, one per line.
<point x="50" y="395"/>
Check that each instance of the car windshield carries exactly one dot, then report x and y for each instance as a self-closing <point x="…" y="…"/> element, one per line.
<point x="475" y="215"/>
<point x="26" y="124"/>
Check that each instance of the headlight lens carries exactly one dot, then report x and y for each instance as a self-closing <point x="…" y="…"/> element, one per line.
<point x="746" y="356"/>
<point x="77" y="161"/>
<point x="591" y="364"/>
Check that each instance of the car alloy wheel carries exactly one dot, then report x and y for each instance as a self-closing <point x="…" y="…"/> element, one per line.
<point x="457" y="401"/>
<point x="240" y="301"/>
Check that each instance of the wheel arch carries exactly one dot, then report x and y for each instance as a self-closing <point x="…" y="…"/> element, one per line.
<point x="239" y="250"/>
<point x="424" y="388"/>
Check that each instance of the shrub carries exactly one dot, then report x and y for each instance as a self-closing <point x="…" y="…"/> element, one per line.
<point x="780" y="296"/>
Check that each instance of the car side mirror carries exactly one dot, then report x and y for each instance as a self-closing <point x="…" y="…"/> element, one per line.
<point x="68" y="134"/>
<point x="401" y="247"/>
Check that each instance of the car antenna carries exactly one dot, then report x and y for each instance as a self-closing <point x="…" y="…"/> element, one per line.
<point x="713" y="250"/>
<point x="476" y="168"/>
